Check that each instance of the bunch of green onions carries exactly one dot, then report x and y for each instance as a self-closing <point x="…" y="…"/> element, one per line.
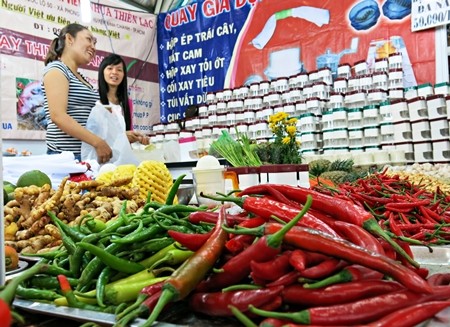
<point x="239" y="152"/>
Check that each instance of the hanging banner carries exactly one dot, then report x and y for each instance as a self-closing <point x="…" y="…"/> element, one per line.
<point x="217" y="44"/>
<point x="429" y="13"/>
<point x="26" y="30"/>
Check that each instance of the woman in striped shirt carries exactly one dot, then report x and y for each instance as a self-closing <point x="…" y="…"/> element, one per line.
<point x="69" y="97"/>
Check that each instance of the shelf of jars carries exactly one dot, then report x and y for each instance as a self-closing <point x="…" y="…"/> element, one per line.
<point x="362" y="111"/>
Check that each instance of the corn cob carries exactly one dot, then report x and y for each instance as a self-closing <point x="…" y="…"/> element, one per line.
<point x="154" y="177"/>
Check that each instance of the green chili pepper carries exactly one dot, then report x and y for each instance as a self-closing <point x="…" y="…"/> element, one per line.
<point x="173" y="257"/>
<point x="153" y="245"/>
<point x="36" y="294"/>
<point x="180" y="222"/>
<point x="56" y="270"/>
<point x="112" y="261"/>
<point x="49" y="282"/>
<point x="71" y="232"/>
<point x="95" y="266"/>
<point x="120" y="292"/>
<point x="47" y="255"/>
<point x="95" y="225"/>
<point x="178" y="228"/>
<point x="174" y="189"/>
<point x="158" y="255"/>
<point x="102" y="280"/>
<point x="142" y="235"/>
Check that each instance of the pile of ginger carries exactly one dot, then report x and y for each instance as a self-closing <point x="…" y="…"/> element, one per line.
<point x="28" y="227"/>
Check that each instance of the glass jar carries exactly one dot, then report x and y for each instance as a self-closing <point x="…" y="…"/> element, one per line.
<point x="212" y="109"/>
<point x="222" y="107"/>
<point x="210" y="98"/>
<point x="249" y="116"/>
<point x="395" y="78"/>
<point x="203" y="110"/>
<point x="344" y="71"/>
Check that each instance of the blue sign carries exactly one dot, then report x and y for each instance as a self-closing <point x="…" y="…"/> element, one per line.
<point x="196" y="45"/>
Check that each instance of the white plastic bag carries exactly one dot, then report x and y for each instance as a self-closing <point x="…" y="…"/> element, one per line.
<point x="110" y="126"/>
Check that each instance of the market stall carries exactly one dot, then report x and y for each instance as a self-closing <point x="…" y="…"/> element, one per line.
<point x="314" y="141"/>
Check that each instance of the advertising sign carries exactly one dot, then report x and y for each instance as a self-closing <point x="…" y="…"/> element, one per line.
<point x="429" y="13"/>
<point x="219" y="44"/>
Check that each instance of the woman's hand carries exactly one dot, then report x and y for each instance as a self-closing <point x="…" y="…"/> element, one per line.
<point x="137" y="137"/>
<point x="104" y="151"/>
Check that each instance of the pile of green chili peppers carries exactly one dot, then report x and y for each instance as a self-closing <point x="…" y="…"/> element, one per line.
<point x="108" y="264"/>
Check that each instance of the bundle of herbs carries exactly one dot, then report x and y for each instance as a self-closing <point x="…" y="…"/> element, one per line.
<point x="239" y="152"/>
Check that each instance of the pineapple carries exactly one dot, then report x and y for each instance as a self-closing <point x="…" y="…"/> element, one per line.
<point x="341" y="165"/>
<point x="318" y="166"/>
<point x="336" y="176"/>
<point x="152" y="177"/>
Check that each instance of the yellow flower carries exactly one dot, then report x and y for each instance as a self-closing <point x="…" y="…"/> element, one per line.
<point x="291" y="130"/>
<point x="286" y="140"/>
<point x="292" y="121"/>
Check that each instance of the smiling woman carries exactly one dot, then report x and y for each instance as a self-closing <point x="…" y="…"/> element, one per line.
<point x="113" y="90"/>
<point x="68" y="96"/>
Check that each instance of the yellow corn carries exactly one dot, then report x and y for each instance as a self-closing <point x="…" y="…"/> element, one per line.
<point x="154" y="177"/>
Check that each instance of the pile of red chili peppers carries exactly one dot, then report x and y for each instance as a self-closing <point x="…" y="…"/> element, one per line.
<point x="403" y="208"/>
<point x="327" y="270"/>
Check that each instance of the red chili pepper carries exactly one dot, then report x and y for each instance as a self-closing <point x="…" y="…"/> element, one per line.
<point x="274" y="304"/>
<point x="411" y="316"/>
<point x="252" y="222"/>
<point x="184" y="280"/>
<point x="372" y="200"/>
<point x="5" y="314"/>
<point x="314" y="240"/>
<point x="256" y="280"/>
<point x="197" y="217"/>
<point x="152" y="289"/>
<point x="192" y="242"/>
<point x="393" y="225"/>
<point x="266" y="208"/>
<point x="273" y="269"/>
<point x="145" y="302"/>
<point x="323" y="269"/>
<point x="338" y="293"/>
<point x="412" y="228"/>
<point x="280" y="197"/>
<point x="406" y="206"/>
<point x="272" y="322"/>
<point x="341" y="209"/>
<point x="431" y="215"/>
<point x="361" y="311"/>
<point x="239" y="243"/>
<point x="438" y="279"/>
<point x="358" y="236"/>
<point x="238" y="267"/>
<point x="216" y="303"/>
<point x="298" y="259"/>
<point x="285" y="280"/>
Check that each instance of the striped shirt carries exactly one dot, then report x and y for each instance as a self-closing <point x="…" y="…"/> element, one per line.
<point x="81" y="100"/>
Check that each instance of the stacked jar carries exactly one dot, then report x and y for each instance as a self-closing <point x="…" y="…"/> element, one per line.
<point x="355" y="130"/>
<point x="439" y="125"/>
